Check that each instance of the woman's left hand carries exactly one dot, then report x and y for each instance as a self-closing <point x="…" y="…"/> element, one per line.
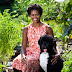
<point x="55" y="59"/>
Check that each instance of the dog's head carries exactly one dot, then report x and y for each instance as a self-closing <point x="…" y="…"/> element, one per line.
<point x="46" y="42"/>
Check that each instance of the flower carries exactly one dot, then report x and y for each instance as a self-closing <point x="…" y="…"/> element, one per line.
<point x="57" y="10"/>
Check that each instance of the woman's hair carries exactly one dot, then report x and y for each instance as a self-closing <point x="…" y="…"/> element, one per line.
<point x="35" y="7"/>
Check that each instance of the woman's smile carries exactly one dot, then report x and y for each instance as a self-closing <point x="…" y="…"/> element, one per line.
<point x="35" y="16"/>
<point x="35" y="19"/>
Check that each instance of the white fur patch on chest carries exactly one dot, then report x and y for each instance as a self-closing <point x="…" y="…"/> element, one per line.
<point x="44" y="60"/>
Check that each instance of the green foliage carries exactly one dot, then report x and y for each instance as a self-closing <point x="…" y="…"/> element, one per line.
<point x="65" y="18"/>
<point x="10" y="29"/>
<point x="65" y="15"/>
<point x="20" y="8"/>
<point x="68" y="62"/>
<point x="1" y="70"/>
<point x="1" y="67"/>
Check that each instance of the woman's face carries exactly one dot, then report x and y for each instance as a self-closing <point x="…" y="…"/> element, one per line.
<point x="35" y="16"/>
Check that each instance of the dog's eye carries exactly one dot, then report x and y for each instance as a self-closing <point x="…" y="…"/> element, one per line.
<point x="43" y="41"/>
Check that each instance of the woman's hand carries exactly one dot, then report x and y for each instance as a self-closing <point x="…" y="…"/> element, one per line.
<point x="23" y="60"/>
<point x="55" y="59"/>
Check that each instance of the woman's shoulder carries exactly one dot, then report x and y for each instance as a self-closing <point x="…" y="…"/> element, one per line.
<point x="49" y="29"/>
<point x="47" y="26"/>
<point x="25" y="29"/>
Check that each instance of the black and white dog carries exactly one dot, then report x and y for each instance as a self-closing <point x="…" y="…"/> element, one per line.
<point x="46" y="43"/>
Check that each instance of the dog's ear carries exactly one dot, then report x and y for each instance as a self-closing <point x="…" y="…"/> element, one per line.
<point x="39" y="41"/>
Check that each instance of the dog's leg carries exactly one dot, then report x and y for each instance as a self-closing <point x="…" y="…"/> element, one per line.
<point x="41" y="70"/>
<point x="59" y="65"/>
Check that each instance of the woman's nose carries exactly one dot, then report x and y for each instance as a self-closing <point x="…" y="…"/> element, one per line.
<point x="34" y="16"/>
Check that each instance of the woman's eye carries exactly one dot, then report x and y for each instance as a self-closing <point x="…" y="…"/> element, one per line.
<point x="37" y="14"/>
<point x="32" y="15"/>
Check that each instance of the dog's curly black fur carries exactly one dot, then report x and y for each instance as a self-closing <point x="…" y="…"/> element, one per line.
<point x="47" y="42"/>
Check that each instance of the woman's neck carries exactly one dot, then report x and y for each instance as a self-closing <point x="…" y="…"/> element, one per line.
<point x="36" y="24"/>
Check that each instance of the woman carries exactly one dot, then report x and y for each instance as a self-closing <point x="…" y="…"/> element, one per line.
<point x="27" y="61"/>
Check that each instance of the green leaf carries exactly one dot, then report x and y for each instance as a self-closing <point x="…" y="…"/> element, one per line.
<point x="2" y="66"/>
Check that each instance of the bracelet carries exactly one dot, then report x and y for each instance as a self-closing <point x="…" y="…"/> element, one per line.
<point x="23" y="56"/>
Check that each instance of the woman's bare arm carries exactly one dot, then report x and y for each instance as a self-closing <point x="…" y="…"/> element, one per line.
<point x="24" y="42"/>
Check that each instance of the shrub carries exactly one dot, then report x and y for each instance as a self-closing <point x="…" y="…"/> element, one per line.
<point x="10" y="30"/>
